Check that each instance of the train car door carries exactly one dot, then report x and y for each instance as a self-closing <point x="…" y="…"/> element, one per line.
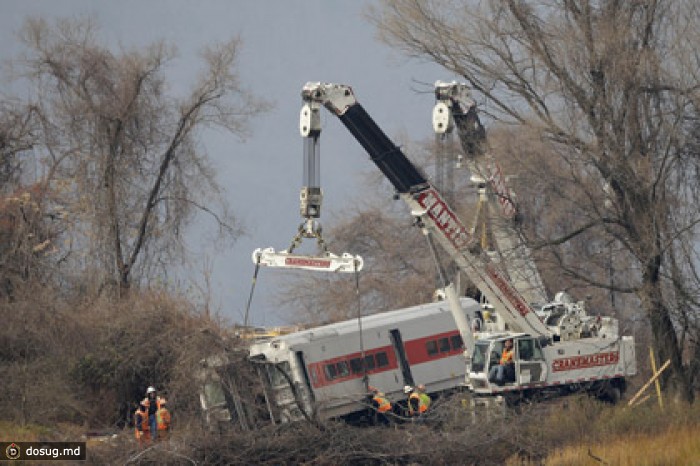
<point x="308" y="392"/>
<point x="397" y="343"/>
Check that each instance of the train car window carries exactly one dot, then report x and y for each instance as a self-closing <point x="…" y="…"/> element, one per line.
<point x="369" y="362"/>
<point x="356" y="365"/>
<point x="444" y="344"/>
<point x="456" y="342"/>
<point x="343" y="370"/>
<point x="331" y="371"/>
<point x="431" y="346"/>
<point x="314" y="375"/>
<point x="382" y="359"/>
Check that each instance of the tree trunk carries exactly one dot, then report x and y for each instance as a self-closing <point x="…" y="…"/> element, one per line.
<point x="665" y="338"/>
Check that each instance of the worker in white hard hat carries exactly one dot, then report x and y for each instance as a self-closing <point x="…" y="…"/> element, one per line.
<point x="152" y="403"/>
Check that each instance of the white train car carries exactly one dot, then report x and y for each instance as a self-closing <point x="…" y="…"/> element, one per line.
<point x="321" y="371"/>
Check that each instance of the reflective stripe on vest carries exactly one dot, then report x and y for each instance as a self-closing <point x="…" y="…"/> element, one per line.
<point x="383" y="404"/>
<point x="163" y="419"/>
<point x="425" y="398"/>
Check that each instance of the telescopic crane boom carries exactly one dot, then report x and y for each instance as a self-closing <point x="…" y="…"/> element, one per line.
<point x="428" y="206"/>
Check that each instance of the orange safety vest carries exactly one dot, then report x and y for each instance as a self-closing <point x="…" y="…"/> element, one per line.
<point x="163" y="418"/>
<point x="383" y="404"/>
<point x="143" y="417"/>
<point x="506" y="357"/>
<point x="421" y="405"/>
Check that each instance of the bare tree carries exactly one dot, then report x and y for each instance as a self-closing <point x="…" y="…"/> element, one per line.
<point x="23" y="231"/>
<point x="610" y="87"/>
<point x="124" y="153"/>
<point x="16" y="137"/>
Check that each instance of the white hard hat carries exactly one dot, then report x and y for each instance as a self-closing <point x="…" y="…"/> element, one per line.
<point x="407" y="389"/>
<point x="150" y="390"/>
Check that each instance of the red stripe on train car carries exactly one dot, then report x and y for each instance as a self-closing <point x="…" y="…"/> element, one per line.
<point x="416" y="353"/>
<point x="320" y="378"/>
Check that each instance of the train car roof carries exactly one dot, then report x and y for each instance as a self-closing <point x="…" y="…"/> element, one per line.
<point x="369" y="322"/>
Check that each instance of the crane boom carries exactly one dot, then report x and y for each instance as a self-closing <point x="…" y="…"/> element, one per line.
<point x="428" y="206"/>
<point x="455" y="111"/>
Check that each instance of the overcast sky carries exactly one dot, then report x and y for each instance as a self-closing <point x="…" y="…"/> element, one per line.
<point x="286" y="44"/>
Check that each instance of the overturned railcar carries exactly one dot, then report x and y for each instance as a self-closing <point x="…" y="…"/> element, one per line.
<point x="324" y="372"/>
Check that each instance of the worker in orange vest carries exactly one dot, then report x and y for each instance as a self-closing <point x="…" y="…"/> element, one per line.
<point x="152" y="403"/>
<point x="424" y="396"/>
<point x="416" y="406"/>
<point x="381" y="405"/>
<point x="505" y="368"/>
<point x="141" y="428"/>
<point x="163" y="420"/>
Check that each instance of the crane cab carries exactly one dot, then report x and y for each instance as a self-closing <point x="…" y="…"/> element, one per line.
<point x="527" y="368"/>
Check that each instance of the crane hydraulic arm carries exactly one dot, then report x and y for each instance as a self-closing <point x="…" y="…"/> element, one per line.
<point x="428" y="206"/>
<point x="455" y="111"/>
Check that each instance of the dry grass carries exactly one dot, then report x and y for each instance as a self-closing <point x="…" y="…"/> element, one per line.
<point x="13" y="432"/>
<point x="674" y="447"/>
<point x="622" y="436"/>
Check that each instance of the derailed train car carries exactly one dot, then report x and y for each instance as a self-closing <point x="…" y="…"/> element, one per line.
<point x="324" y="372"/>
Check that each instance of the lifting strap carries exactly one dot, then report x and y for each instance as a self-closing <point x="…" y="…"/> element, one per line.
<point x="252" y="290"/>
<point x="365" y="377"/>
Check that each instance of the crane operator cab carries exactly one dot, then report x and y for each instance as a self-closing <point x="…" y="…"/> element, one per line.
<point x="492" y="368"/>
